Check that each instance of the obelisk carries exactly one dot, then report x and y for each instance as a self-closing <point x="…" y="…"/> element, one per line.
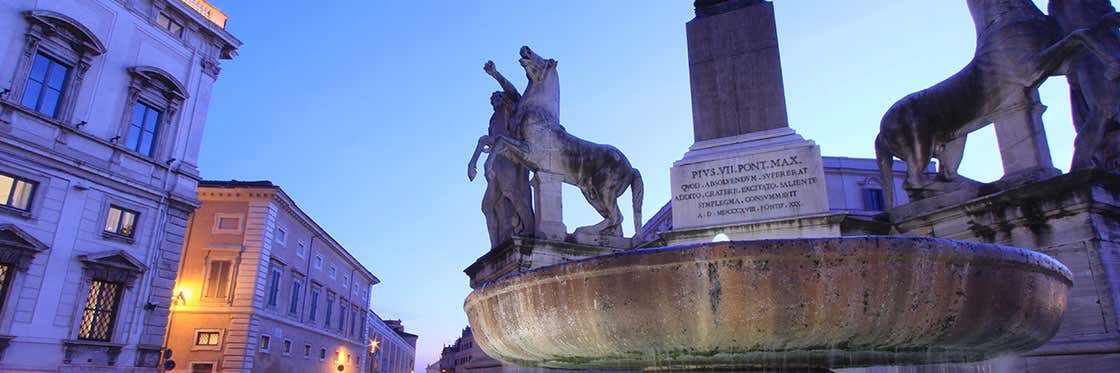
<point x="746" y="166"/>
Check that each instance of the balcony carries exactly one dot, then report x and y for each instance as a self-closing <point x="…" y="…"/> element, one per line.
<point x="208" y="11"/>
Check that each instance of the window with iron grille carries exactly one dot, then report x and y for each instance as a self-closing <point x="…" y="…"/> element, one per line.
<point x="5" y="283"/>
<point x="45" y="85"/>
<point x="121" y="221"/>
<point x="16" y="192"/>
<point x="207" y="338"/>
<point x="100" y="311"/>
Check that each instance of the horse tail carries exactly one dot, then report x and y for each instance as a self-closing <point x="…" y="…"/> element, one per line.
<point x="886" y="169"/>
<point x="637" y="190"/>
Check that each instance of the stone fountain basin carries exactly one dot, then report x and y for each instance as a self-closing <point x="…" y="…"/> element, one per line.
<point x="808" y="303"/>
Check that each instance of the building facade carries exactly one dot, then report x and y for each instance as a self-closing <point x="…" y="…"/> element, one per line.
<point x="102" y="108"/>
<point x="392" y="349"/>
<point x="263" y="288"/>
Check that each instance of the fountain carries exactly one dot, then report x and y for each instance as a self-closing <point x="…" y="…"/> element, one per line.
<point x="754" y="272"/>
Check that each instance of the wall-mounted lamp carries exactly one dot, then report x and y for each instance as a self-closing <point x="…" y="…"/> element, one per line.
<point x="169" y="161"/>
<point x="80" y="124"/>
<point x="114" y="139"/>
<point x="179" y="299"/>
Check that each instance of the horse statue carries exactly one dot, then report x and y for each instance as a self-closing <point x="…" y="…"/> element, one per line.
<point x="1095" y="101"/>
<point x="1017" y="48"/>
<point x="601" y="172"/>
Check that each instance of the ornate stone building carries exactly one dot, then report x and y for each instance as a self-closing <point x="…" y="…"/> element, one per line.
<point x="264" y="288"/>
<point x="102" y="108"/>
<point x="392" y="350"/>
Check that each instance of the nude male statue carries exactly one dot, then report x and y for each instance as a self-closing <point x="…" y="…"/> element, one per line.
<point x="507" y="201"/>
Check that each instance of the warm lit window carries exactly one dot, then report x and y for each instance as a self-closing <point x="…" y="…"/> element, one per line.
<point x="314" y="303"/>
<point x="297" y="287"/>
<point x="16" y="192"/>
<point x="266" y="343"/>
<point x="45" y="85"/>
<point x="142" y="128"/>
<point x="273" y="286"/>
<point x="207" y="338"/>
<point x="100" y="311"/>
<point x="218" y="279"/>
<point x="873" y="199"/>
<point x="121" y="221"/>
<point x="168" y="24"/>
<point x="287" y="351"/>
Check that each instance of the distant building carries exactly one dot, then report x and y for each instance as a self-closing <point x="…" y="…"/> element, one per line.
<point x="392" y="350"/>
<point x="102" y="109"/>
<point x="263" y="288"/>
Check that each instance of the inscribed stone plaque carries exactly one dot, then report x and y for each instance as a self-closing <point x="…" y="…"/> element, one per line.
<point x="775" y="184"/>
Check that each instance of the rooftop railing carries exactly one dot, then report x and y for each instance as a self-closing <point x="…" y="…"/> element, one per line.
<point x="209" y="11"/>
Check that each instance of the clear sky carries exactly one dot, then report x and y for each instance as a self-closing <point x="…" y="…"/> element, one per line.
<point x="366" y="112"/>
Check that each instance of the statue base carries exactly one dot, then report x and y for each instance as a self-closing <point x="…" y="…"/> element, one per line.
<point x="757" y="177"/>
<point x="812" y="226"/>
<point x="521" y="254"/>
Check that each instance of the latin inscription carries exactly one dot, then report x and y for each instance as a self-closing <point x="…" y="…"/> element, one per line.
<point x="740" y="189"/>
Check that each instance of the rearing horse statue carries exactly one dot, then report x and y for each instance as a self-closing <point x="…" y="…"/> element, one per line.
<point x="1017" y="48"/>
<point x="601" y="172"/>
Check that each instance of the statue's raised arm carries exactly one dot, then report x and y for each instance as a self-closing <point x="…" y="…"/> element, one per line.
<point x="502" y="81"/>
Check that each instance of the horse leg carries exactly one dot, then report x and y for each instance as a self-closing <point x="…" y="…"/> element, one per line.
<point x="1088" y="139"/>
<point x="916" y="163"/>
<point x="515" y="150"/>
<point x="607" y="208"/>
<point x="950" y="159"/>
<point x="1058" y="55"/>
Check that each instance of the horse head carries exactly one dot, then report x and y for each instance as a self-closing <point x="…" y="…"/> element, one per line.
<point x="543" y="91"/>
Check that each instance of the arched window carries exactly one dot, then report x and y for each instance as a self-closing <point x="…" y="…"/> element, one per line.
<point x="57" y="53"/>
<point x="154" y="98"/>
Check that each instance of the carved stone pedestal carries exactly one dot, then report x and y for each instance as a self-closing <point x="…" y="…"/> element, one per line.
<point x="522" y="254"/>
<point x="1074" y="218"/>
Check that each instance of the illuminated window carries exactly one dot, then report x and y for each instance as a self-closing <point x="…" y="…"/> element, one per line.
<point x="218" y="279"/>
<point x="169" y="25"/>
<point x="143" y="128"/>
<point x="45" y="85"/>
<point x="287" y="351"/>
<point x="16" y="192"/>
<point x="266" y="343"/>
<point x="121" y="221"/>
<point x="207" y="338"/>
<point x="100" y="311"/>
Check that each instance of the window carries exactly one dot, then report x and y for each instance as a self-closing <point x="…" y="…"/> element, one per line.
<point x="333" y="271"/>
<point x="273" y="286"/>
<point x="281" y="235"/>
<point x="227" y="223"/>
<point x="266" y="343"/>
<point x="287" y="351"/>
<point x="322" y="353"/>
<point x="142" y="128"/>
<point x="318" y="261"/>
<point x="341" y="315"/>
<point x="873" y="199"/>
<point x="314" y="303"/>
<point x="202" y="367"/>
<point x="166" y="23"/>
<point x="301" y="249"/>
<point x="306" y="351"/>
<point x="346" y="280"/>
<point x="45" y="85"/>
<point x="5" y="283"/>
<point x="100" y="311"/>
<point x="218" y="279"/>
<point x="121" y="221"/>
<point x="353" y="324"/>
<point x="207" y="338"/>
<point x="297" y="287"/>
<point x="330" y="309"/>
<point x="16" y="192"/>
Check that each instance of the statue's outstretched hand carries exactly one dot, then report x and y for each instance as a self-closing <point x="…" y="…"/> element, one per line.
<point x="471" y="172"/>
<point x="489" y="67"/>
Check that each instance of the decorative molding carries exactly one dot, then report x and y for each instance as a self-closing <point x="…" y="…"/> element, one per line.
<point x="211" y="66"/>
<point x="18" y="248"/>
<point x="113" y="266"/>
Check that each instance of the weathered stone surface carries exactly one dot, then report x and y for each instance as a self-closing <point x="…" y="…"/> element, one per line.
<point x="735" y="70"/>
<point x="781" y="303"/>
<point x="522" y="254"/>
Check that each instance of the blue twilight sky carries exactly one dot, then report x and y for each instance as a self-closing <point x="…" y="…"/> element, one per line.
<point x="366" y="112"/>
